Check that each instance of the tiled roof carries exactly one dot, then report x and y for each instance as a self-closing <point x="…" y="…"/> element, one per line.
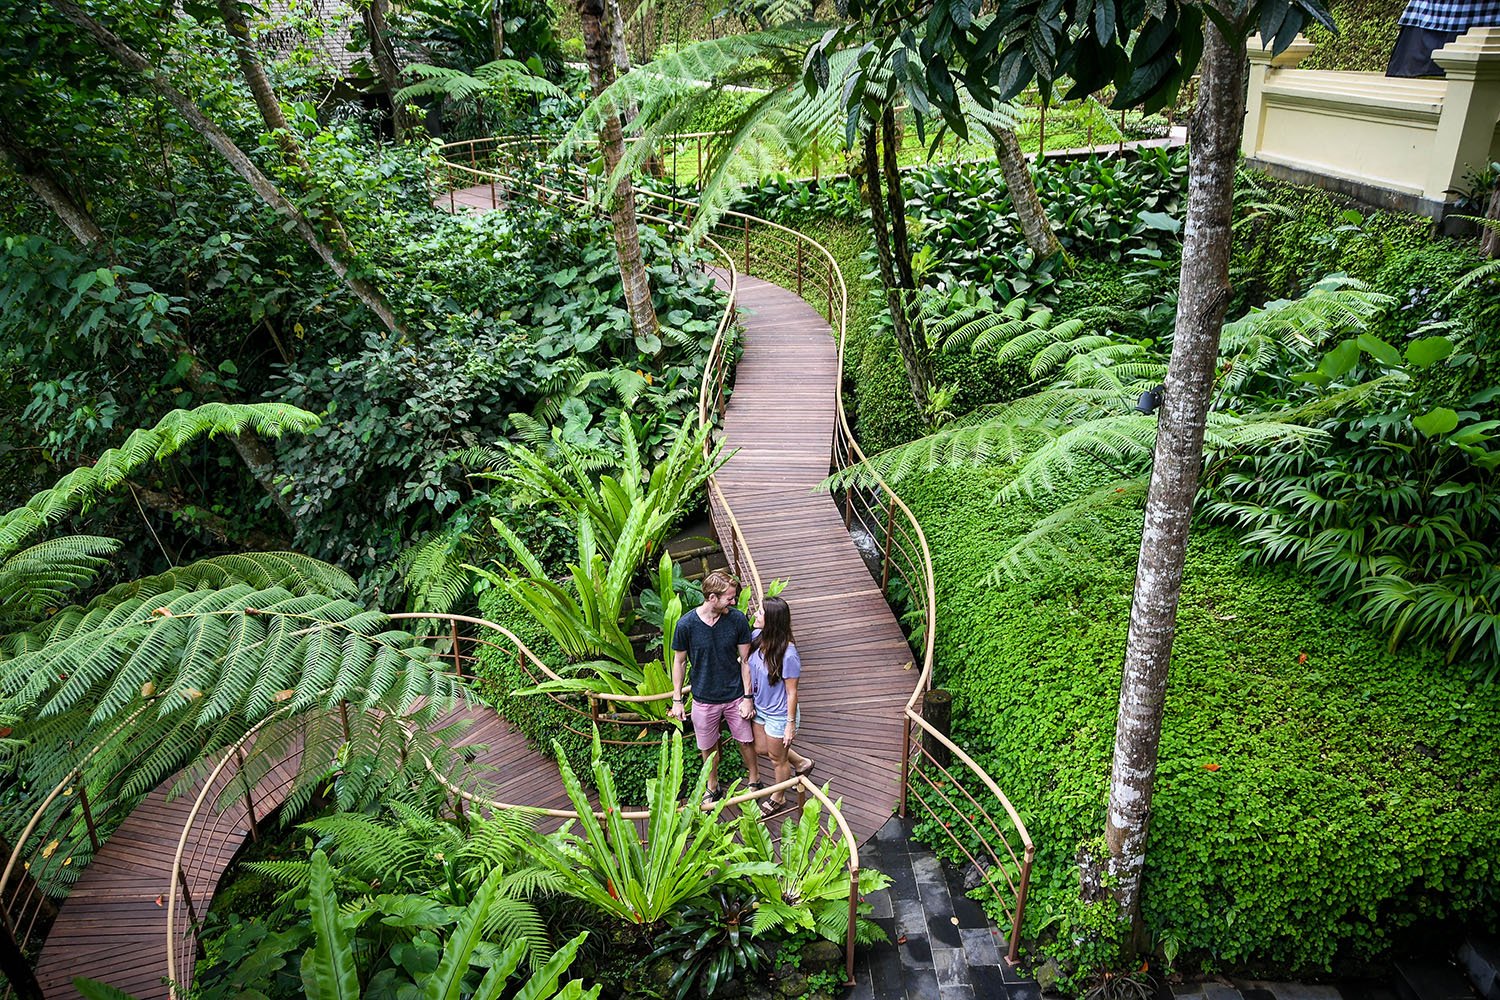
<point x="321" y="29"/>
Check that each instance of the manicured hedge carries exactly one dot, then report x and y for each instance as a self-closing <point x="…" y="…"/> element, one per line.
<point x="1318" y="797"/>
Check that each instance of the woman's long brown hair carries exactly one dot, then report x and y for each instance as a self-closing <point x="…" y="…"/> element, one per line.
<point x="775" y="636"/>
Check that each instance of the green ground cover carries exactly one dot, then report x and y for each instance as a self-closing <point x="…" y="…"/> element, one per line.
<point x="1319" y="799"/>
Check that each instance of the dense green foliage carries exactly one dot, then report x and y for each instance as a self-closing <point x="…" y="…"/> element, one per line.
<point x="1317" y="796"/>
<point x="1366" y="34"/>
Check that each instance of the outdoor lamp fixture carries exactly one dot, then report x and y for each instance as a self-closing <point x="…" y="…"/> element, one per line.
<point x="1151" y="399"/>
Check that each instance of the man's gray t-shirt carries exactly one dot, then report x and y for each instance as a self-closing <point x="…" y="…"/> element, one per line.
<point x="714" y="652"/>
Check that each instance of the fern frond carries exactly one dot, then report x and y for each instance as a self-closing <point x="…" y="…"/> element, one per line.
<point x="42" y="576"/>
<point x="81" y="487"/>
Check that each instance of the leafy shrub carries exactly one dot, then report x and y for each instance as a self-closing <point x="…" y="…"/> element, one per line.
<point x="1366" y="34"/>
<point x="1317" y="796"/>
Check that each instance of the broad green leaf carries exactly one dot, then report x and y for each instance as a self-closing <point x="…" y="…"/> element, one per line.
<point x="1440" y="420"/>
<point x="1340" y="360"/>
<point x="1379" y="349"/>
<point x="328" y="971"/>
<point x="1428" y="350"/>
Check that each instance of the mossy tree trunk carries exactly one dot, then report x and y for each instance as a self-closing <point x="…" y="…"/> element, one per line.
<point x="598" y="43"/>
<point x="893" y="252"/>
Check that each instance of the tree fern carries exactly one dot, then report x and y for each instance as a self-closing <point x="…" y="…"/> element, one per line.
<point x="505" y="75"/>
<point x="82" y="487"/>
<point x="42" y="577"/>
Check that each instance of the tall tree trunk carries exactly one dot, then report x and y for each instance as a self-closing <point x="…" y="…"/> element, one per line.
<point x="270" y="112"/>
<point x="384" y="57"/>
<point x="1036" y="228"/>
<point x="597" y="44"/>
<point x="906" y="345"/>
<point x="1213" y="148"/>
<point x="242" y="164"/>
<point x="1489" y="244"/>
<point x="497" y="29"/>
<point x="46" y="186"/>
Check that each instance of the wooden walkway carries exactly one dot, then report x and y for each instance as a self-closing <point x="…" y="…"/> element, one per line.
<point x="780" y="419"/>
<point x="113" y="925"/>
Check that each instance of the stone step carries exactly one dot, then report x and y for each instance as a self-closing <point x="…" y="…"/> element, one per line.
<point x="1418" y="979"/>
<point x="1480" y="958"/>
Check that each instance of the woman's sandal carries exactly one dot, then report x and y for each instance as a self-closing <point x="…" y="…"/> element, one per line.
<point x="807" y="768"/>
<point x="755" y="786"/>
<point x="771" y="806"/>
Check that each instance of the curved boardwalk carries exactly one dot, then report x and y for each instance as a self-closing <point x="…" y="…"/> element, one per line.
<point x="781" y="419"/>
<point x="113" y="925"/>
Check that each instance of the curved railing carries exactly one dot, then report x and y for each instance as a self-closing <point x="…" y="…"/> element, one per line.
<point x="994" y="840"/>
<point x="209" y="824"/>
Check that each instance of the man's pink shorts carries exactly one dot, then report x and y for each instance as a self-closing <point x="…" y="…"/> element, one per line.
<point x="709" y="717"/>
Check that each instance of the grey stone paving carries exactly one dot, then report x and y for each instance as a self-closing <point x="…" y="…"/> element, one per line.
<point x="942" y="945"/>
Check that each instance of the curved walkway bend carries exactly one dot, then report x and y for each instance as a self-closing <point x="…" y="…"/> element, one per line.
<point x="780" y="423"/>
<point x="113" y="925"/>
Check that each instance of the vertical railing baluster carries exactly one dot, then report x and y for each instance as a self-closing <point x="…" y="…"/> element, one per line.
<point x="890" y="524"/>
<point x="239" y="759"/>
<point x="88" y="813"/>
<point x="458" y="661"/>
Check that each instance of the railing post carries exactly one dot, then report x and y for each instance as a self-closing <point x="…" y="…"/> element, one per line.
<point x="853" y="917"/>
<point x="799" y="269"/>
<point x="890" y="526"/>
<point x="88" y="813"/>
<point x="494" y="202"/>
<point x="747" y="244"/>
<point x="14" y="967"/>
<point x="905" y="762"/>
<point x="698" y="177"/>
<point x="1013" y="954"/>
<point x="848" y="508"/>
<point x="344" y="718"/>
<point x="187" y="896"/>
<point x="458" y="661"/>
<point x="239" y="760"/>
<point x="937" y="712"/>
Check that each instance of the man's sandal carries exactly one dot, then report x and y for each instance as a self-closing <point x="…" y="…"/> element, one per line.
<point x="755" y="786"/>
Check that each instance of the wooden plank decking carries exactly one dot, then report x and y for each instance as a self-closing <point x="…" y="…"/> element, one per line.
<point x="857" y="678"/>
<point x="780" y="421"/>
<point x="113" y="925"/>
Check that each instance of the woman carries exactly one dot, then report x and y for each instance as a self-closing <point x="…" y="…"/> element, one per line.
<point x="774" y="670"/>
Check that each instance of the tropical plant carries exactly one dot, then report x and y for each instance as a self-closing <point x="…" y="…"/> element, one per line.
<point x="406" y="869"/>
<point x="161" y="670"/>
<point x="709" y="942"/>
<point x="808" y="887"/>
<point x="1396" y="513"/>
<point x="1086" y="417"/>
<point x="41" y="576"/>
<point x="685" y="853"/>
<point x="503" y="75"/>
<point x="564" y="476"/>
<point x="329" y="968"/>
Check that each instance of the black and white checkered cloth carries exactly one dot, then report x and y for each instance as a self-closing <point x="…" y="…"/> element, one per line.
<point x="1451" y="15"/>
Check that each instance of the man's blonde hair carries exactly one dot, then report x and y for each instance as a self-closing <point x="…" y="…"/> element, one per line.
<point x="719" y="582"/>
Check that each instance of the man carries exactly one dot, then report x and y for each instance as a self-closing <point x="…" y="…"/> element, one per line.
<point x="1428" y="25"/>
<point x="715" y="638"/>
